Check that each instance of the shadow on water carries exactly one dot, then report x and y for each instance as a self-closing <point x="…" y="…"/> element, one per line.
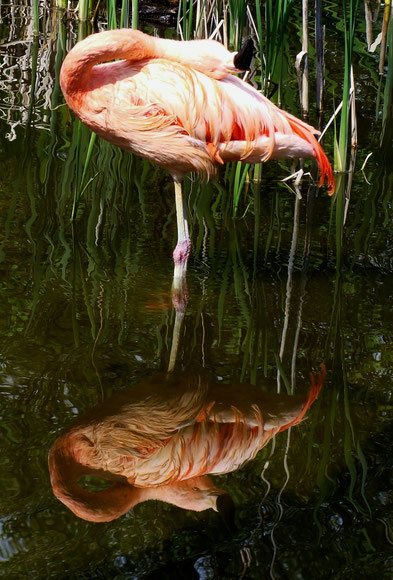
<point x="275" y="288"/>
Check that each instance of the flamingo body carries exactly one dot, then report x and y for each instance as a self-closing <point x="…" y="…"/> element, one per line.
<point x="162" y="439"/>
<point x="178" y="105"/>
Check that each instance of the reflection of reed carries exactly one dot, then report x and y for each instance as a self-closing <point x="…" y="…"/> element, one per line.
<point x="18" y="61"/>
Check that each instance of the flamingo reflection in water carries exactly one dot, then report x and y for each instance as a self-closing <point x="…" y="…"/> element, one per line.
<point x="161" y="439"/>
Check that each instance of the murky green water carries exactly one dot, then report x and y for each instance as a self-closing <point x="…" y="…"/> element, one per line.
<point x="86" y="312"/>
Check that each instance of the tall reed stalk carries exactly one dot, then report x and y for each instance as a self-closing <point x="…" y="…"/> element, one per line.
<point x="125" y="14"/>
<point x="185" y="16"/>
<point x="84" y="10"/>
<point x="260" y="32"/>
<point x="36" y="17"/>
<point x="347" y="136"/>
<point x="385" y="26"/>
<point x="341" y="153"/>
<point x="319" y="55"/>
<point x="277" y="14"/>
<point x="112" y="18"/>
<point x="237" y="10"/>
<point x="135" y="7"/>
<point x="302" y="61"/>
<point x="387" y="112"/>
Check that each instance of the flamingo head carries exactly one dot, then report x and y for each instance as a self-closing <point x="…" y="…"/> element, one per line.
<point x="213" y="59"/>
<point x="196" y="494"/>
<point x="242" y="59"/>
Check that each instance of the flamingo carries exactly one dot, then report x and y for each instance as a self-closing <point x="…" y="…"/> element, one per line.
<point x="179" y="105"/>
<point x="161" y="439"/>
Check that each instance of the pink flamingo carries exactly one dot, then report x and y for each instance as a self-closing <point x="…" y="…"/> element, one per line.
<point x="161" y="439"/>
<point x="179" y="105"/>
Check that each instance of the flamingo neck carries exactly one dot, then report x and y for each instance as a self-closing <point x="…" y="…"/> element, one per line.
<point x="197" y="493"/>
<point x="133" y="45"/>
<point x="102" y="506"/>
<point x="99" y="48"/>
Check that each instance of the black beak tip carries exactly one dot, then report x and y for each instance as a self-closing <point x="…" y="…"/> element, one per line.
<point x="243" y="58"/>
<point x="226" y="509"/>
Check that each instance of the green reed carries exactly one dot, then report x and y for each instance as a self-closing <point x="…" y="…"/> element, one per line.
<point x="346" y="135"/>
<point x="200" y="18"/>
<point x="319" y="55"/>
<point x="36" y="17"/>
<point x="124" y="19"/>
<point x="84" y="10"/>
<point x="238" y="183"/>
<point x="272" y="26"/>
<point x="237" y="10"/>
<point x="349" y="21"/>
<point x="112" y="14"/>
<point x="260" y="32"/>
<point x="135" y="8"/>
<point x="277" y="15"/>
<point x="185" y="18"/>
<point x="387" y="111"/>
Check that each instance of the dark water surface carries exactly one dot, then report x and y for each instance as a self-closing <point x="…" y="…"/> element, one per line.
<point x="86" y="312"/>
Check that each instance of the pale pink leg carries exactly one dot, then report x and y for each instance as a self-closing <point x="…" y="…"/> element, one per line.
<point x="180" y="258"/>
<point x="183" y="247"/>
<point x="176" y="337"/>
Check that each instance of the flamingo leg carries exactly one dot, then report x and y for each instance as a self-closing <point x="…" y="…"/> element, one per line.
<point x="176" y="337"/>
<point x="180" y="258"/>
<point x="181" y="252"/>
<point x="183" y="247"/>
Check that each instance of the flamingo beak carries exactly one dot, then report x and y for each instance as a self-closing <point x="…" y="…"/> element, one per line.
<point x="226" y="508"/>
<point x="242" y="59"/>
